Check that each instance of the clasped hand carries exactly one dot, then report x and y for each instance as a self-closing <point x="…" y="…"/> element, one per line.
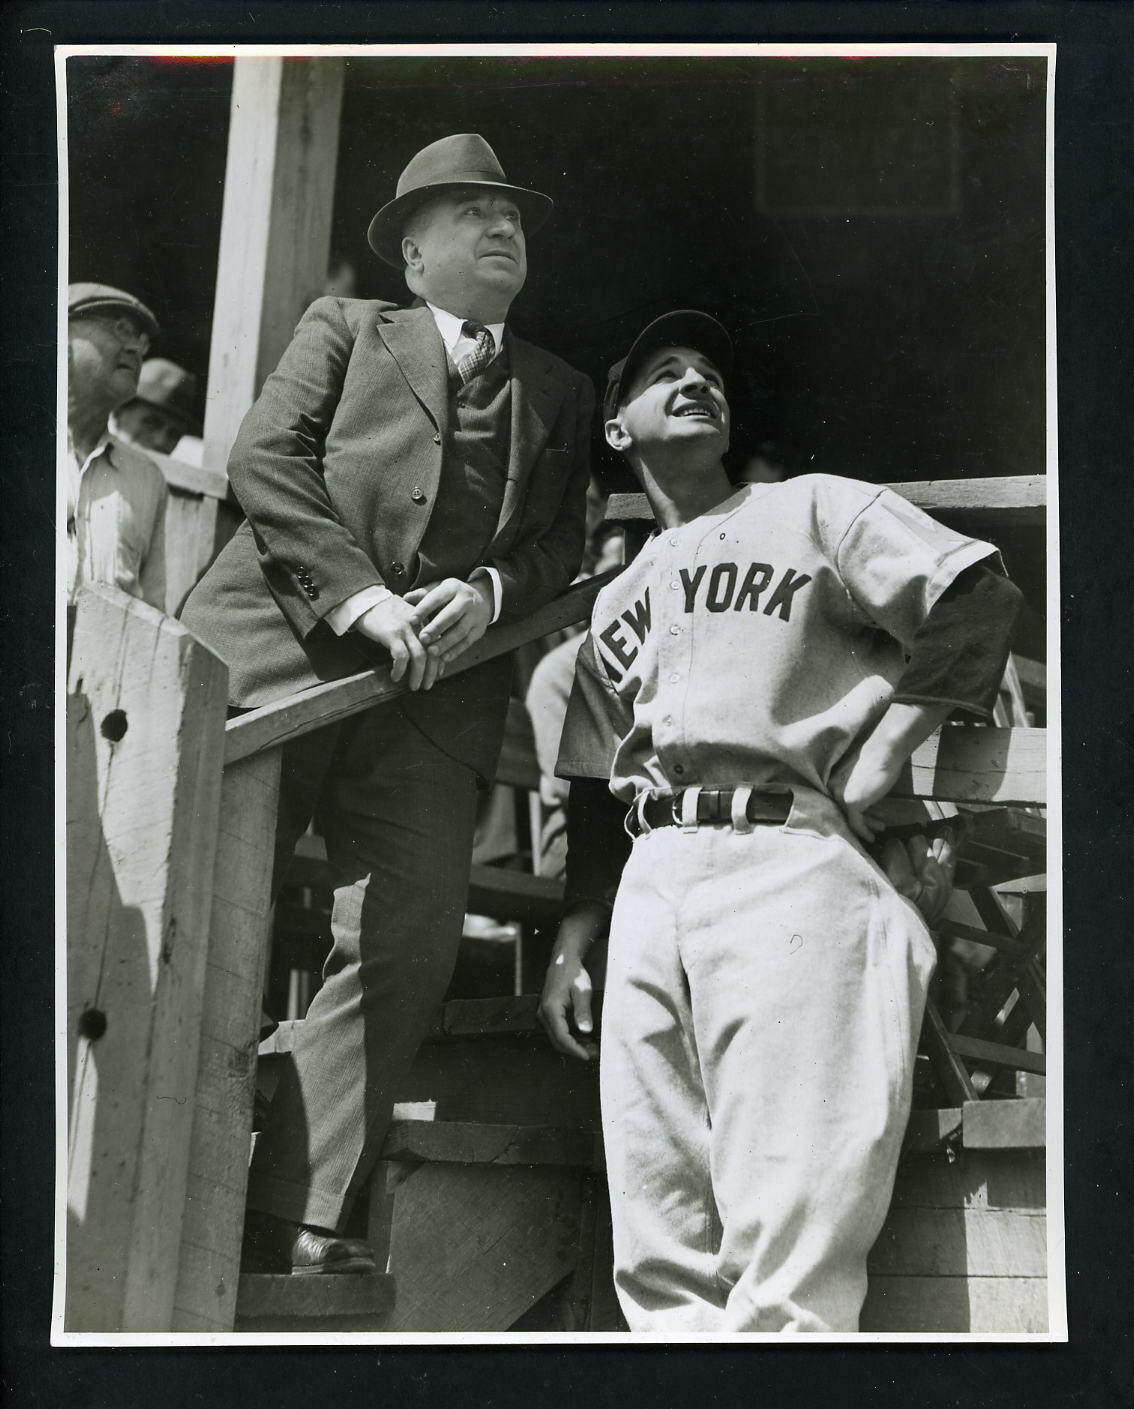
<point x="428" y="628"/>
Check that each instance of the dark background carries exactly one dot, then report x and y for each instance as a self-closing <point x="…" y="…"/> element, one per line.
<point x="871" y="230"/>
<point x="1094" y="122"/>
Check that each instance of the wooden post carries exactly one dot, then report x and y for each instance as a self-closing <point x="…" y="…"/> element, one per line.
<point x="222" y="1122"/>
<point x="275" y="227"/>
<point x="145" y="726"/>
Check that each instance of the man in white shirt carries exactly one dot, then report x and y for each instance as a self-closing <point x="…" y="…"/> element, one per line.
<point x="116" y="495"/>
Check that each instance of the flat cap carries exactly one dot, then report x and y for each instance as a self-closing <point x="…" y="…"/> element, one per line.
<point x="101" y="298"/>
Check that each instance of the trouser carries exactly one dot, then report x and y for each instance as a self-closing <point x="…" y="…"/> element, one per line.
<point x="397" y="816"/>
<point x="763" y="1003"/>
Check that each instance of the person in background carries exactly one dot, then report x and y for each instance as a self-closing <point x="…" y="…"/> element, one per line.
<point x="548" y="692"/>
<point x="162" y="415"/>
<point x="115" y="494"/>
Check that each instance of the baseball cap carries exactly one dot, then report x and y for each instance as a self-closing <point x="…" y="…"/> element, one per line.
<point x="101" y="298"/>
<point x="684" y="327"/>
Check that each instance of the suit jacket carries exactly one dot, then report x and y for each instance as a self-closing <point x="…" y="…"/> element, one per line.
<point x="337" y="466"/>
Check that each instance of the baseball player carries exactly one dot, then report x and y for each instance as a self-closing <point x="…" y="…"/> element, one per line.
<point x="749" y="691"/>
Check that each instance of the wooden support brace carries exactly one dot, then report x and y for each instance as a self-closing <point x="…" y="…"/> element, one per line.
<point x="222" y="1122"/>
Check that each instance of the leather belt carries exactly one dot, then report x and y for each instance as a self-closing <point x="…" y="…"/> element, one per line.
<point x="695" y="807"/>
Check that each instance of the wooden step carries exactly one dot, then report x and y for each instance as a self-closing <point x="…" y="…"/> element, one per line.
<point x="317" y="1303"/>
<point x="466" y="1142"/>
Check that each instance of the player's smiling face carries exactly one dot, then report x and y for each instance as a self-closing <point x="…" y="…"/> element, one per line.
<point x="677" y="395"/>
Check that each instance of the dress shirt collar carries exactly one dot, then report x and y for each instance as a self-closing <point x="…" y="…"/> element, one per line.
<point x="450" y="327"/>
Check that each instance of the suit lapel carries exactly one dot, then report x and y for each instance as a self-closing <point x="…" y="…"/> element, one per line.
<point x="411" y="336"/>
<point x="536" y="397"/>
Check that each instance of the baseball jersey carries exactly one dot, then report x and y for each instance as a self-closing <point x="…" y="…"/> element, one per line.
<point x="760" y="642"/>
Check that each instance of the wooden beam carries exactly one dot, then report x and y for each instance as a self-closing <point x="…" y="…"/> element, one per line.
<point x="145" y="722"/>
<point x="985" y="504"/>
<point x="467" y="1142"/>
<point x="969" y="763"/>
<point x="275" y="227"/>
<point x="326" y="704"/>
<point x="1006" y="1125"/>
<point x="340" y="1303"/>
<point x="222" y="1115"/>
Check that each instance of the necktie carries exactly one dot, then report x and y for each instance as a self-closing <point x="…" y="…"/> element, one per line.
<point x="474" y="362"/>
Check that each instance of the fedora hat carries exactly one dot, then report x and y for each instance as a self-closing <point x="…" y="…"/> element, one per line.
<point x="464" y="159"/>
<point x="170" y="388"/>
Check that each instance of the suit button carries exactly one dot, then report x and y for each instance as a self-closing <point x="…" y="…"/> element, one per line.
<point x="311" y="590"/>
<point x="436" y="437"/>
<point x="398" y="569"/>
<point x="418" y="495"/>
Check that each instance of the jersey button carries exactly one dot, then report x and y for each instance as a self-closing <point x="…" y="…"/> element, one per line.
<point x="674" y="586"/>
<point x="673" y="542"/>
<point x="679" y="768"/>
<point x="674" y="678"/>
<point x="675" y="630"/>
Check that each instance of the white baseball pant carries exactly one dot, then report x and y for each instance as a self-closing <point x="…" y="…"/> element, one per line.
<point x="763" y="1003"/>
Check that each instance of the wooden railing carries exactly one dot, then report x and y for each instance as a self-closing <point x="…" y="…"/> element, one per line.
<point x="171" y="814"/>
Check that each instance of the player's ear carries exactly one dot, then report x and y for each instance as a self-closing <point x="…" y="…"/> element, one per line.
<point x="616" y="436"/>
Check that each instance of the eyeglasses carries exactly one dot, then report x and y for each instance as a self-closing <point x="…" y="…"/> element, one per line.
<point x="126" y="330"/>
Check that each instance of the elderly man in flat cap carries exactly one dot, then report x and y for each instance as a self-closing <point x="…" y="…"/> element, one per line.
<point x="116" y="495"/>
<point x="409" y="475"/>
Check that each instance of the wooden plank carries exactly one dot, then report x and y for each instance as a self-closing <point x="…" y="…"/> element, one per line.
<point x="967" y="763"/>
<point x="956" y="1304"/>
<point x="504" y="1080"/>
<point x="515" y="895"/>
<point x="338" y="699"/>
<point x="192" y="479"/>
<point x="1006" y="1125"/>
<point x="275" y="227"/>
<point x="987" y="504"/>
<point x="222" y="1122"/>
<point x="976" y="1179"/>
<point x="471" y="1249"/>
<point x="460" y="1142"/>
<point x="331" y="1303"/>
<point x="998" y="1054"/>
<point x="960" y="1242"/>
<point x="145" y="720"/>
<point x="468" y="1017"/>
<point x="944" y="1058"/>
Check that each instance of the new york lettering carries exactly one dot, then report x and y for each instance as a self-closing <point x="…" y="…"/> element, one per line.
<point x="638" y="620"/>
<point x="723" y="589"/>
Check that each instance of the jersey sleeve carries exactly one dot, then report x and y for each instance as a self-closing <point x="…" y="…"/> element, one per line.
<point x="895" y="561"/>
<point x="596" y="722"/>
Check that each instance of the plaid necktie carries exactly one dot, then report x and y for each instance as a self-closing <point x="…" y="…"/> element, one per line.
<point x="474" y="362"/>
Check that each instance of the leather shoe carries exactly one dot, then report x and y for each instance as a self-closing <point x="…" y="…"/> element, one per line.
<point x="278" y="1246"/>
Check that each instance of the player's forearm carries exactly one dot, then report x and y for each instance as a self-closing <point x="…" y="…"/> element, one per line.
<point x="580" y="927"/>
<point x="899" y="732"/>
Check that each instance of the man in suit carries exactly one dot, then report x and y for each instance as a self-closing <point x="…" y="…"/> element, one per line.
<point x="409" y="476"/>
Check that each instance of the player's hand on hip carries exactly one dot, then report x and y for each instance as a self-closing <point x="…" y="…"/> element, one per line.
<point x="566" y="996"/>
<point x="451" y="615"/>
<point x="864" y="781"/>
<point x="393" y="624"/>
